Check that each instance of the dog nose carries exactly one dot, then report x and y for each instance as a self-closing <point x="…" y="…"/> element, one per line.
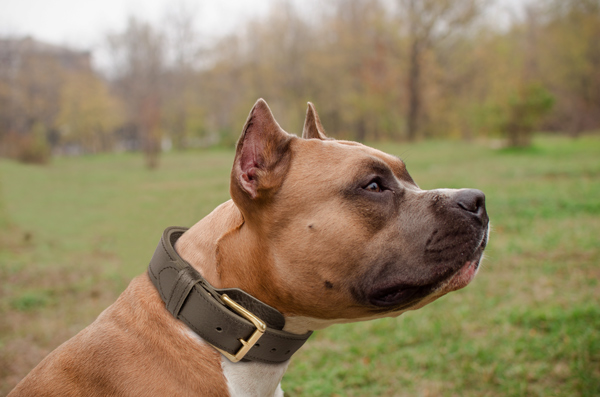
<point x="471" y="200"/>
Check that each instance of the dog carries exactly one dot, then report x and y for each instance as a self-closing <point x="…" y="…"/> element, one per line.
<point x="318" y="231"/>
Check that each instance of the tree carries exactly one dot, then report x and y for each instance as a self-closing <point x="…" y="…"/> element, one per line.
<point x="364" y="65"/>
<point x="525" y="111"/>
<point x="139" y="62"/>
<point x="430" y="22"/>
<point x="570" y="62"/>
<point x="89" y="113"/>
<point x="3" y="215"/>
<point x="183" y="113"/>
<point x="30" y="97"/>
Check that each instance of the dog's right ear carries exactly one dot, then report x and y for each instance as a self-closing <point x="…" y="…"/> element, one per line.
<point x="262" y="157"/>
<point x="312" y="125"/>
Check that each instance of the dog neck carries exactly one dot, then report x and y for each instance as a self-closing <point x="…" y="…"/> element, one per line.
<point x="202" y="247"/>
<point x="199" y="245"/>
<point x="229" y="254"/>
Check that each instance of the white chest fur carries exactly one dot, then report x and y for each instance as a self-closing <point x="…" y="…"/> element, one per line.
<point x="249" y="379"/>
<point x="253" y="379"/>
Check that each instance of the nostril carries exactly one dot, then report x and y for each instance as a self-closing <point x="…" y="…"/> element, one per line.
<point x="471" y="200"/>
<point x="471" y="206"/>
<point x="466" y="206"/>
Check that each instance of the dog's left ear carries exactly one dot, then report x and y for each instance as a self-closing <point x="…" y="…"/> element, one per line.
<point x="262" y="158"/>
<point x="312" y="125"/>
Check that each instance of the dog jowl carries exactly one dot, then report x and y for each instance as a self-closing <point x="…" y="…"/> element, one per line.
<point x="318" y="231"/>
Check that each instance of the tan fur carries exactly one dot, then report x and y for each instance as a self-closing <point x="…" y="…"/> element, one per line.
<point x="295" y="236"/>
<point x="134" y="348"/>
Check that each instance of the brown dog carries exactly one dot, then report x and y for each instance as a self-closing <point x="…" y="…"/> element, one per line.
<point x="319" y="230"/>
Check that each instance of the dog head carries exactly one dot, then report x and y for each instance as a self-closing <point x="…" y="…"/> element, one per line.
<point x="343" y="231"/>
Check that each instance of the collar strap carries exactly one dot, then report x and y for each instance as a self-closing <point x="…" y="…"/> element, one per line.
<point x="232" y="321"/>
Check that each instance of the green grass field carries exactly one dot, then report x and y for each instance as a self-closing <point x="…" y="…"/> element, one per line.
<point x="529" y="324"/>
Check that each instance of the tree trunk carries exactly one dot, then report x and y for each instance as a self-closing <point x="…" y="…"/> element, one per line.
<point x="414" y="91"/>
<point x="150" y="128"/>
<point x="361" y="130"/>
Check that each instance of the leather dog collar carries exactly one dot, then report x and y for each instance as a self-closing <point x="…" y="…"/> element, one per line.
<point x="234" y="322"/>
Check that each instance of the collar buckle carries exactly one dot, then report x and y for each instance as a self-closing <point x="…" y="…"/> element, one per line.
<point x="260" y="325"/>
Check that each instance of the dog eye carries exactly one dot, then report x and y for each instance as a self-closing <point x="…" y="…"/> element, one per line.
<point x="373" y="187"/>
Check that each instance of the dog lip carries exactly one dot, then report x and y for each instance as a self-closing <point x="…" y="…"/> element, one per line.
<point x="401" y="294"/>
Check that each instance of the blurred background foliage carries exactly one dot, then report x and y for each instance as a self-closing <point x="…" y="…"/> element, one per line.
<point x="376" y="70"/>
<point x="490" y="104"/>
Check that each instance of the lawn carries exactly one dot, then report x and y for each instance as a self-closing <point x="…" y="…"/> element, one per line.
<point x="81" y="228"/>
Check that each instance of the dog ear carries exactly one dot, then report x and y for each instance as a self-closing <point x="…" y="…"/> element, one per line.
<point x="312" y="125"/>
<point x="262" y="156"/>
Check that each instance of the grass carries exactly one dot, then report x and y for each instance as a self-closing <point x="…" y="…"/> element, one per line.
<point x="528" y="325"/>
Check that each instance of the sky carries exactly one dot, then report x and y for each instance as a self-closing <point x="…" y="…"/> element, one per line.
<point x="83" y="24"/>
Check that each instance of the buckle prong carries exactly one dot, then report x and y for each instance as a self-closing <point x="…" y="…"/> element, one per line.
<point x="260" y="325"/>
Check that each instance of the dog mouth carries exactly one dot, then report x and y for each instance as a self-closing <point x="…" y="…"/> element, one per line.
<point x="400" y="296"/>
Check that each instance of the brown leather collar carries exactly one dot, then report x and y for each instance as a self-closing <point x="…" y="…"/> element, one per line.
<point x="208" y="312"/>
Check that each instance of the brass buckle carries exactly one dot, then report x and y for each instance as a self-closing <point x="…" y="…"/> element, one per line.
<point x="260" y="325"/>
